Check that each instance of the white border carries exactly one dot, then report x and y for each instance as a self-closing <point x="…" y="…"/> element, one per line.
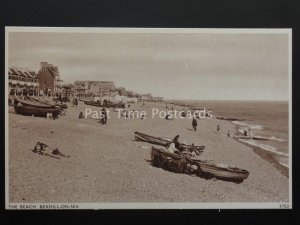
<point x="179" y="205"/>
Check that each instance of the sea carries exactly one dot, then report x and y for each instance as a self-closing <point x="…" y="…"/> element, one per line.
<point x="266" y="119"/>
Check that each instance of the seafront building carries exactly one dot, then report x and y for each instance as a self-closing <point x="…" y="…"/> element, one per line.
<point x="84" y="89"/>
<point x="22" y="82"/>
<point x="121" y="91"/>
<point x="67" y="90"/>
<point x="146" y="97"/>
<point x="49" y="80"/>
<point x="157" y="99"/>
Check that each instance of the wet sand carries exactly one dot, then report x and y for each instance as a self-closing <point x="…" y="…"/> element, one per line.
<point x="106" y="164"/>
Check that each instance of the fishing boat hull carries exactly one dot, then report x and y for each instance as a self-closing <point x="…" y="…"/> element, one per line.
<point x="33" y="102"/>
<point x="36" y="111"/>
<point x="185" y="164"/>
<point x="223" y="172"/>
<point x="163" y="141"/>
<point x="93" y="103"/>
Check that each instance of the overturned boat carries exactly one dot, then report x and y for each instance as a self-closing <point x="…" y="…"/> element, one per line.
<point x="184" y="164"/>
<point x="164" y="141"/>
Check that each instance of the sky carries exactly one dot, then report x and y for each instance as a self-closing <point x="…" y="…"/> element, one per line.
<point x="196" y="66"/>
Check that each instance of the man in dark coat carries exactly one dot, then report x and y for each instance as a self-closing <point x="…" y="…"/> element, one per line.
<point x="194" y="124"/>
<point x="104" y="115"/>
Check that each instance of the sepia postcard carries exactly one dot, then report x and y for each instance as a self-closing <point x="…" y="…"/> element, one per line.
<point x="140" y="118"/>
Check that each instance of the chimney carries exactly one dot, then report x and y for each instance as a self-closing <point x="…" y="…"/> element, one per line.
<point x="44" y="65"/>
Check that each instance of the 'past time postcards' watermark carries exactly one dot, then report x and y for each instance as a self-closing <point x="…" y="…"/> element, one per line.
<point x="155" y="113"/>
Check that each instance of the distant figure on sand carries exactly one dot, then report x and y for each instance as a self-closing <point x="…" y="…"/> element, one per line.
<point x="75" y="102"/>
<point x="237" y="133"/>
<point x="103" y="116"/>
<point x="250" y="133"/>
<point x="81" y="115"/>
<point x="218" y="128"/>
<point x="245" y="132"/>
<point x="194" y="123"/>
<point x="228" y="133"/>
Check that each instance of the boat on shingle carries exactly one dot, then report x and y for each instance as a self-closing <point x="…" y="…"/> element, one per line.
<point x="164" y="141"/>
<point x="36" y="110"/>
<point x="181" y="163"/>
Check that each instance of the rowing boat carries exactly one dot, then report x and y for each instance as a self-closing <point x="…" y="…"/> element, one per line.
<point x="47" y="102"/>
<point x="36" y="110"/>
<point x="222" y="171"/>
<point x="93" y="103"/>
<point x="34" y="103"/>
<point x="185" y="164"/>
<point x="163" y="141"/>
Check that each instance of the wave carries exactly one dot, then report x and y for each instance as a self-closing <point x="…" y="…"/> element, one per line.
<point x="255" y="127"/>
<point x="276" y="139"/>
<point x="265" y="147"/>
<point x="251" y="126"/>
<point x="283" y="164"/>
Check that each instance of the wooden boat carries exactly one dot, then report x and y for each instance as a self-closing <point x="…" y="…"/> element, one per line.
<point x="36" y="110"/>
<point x="93" y="103"/>
<point x="50" y="103"/>
<point x="163" y="141"/>
<point x="184" y="164"/>
<point x="42" y="100"/>
<point x="117" y="105"/>
<point x="33" y="103"/>
<point x="222" y="171"/>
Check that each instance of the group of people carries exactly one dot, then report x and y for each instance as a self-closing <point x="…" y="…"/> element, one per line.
<point x="176" y="148"/>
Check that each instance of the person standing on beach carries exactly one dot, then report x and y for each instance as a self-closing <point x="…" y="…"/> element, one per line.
<point x="250" y="133"/>
<point x="218" y="128"/>
<point x="194" y="124"/>
<point x="228" y="133"/>
<point x="103" y="116"/>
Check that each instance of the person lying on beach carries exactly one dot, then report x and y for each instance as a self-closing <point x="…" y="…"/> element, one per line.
<point x="167" y="117"/>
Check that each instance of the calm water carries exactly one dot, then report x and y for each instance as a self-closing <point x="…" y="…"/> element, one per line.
<point x="267" y="119"/>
